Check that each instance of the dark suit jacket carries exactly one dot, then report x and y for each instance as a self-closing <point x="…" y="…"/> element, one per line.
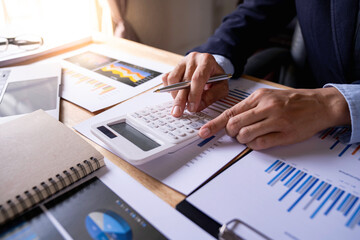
<point x="328" y="28"/>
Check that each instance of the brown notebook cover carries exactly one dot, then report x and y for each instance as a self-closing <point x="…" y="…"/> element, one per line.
<point x="39" y="157"/>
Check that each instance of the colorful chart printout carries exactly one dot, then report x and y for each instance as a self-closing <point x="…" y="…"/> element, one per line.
<point x="127" y="73"/>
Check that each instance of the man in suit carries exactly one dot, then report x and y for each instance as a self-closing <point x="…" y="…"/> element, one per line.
<point x="270" y="118"/>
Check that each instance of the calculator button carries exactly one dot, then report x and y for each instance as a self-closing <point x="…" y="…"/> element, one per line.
<point x="170" y="119"/>
<point x="163" y="129"/>
<point x="160" y="122"/>
<point x="152" y="118"/>
<point x="153" y="125"/>
<point x="188" y="123"/>
<point x="162" y="108"/>
<point x="145" y="119"/>
<point x="136" y="115"/>
<point x="178" y="124"/>
<point x="185" y="121"/>
<point x="195" y="125"/>
<point x="172" y="136"/>
<point x="170" y="128"/>
<point x="159" y="114"/>
<point x="189" y="130"/>
<point x="193" y="118"/>
<point x="180" y="133"/>
<point x="201" y="121"/>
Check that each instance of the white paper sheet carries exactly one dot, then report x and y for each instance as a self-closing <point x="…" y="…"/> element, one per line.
<point x="308" y="190"/>
<point x="188" y="168"/>
<point x="94" y="91"/>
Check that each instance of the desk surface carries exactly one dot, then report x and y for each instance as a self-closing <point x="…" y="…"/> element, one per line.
<point x="71" y="114"/>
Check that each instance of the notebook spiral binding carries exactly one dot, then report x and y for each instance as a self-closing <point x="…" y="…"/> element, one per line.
<point x="31" y="197"/>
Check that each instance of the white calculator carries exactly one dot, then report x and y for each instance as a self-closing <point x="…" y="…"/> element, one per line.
<point x="149" y="133"/>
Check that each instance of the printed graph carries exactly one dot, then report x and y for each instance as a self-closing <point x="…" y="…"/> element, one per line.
<point x="93" y="85"/>
<point x="318" y="198"/>
<point x="334" y="134"/>
<point x="107" y="225"/>
<point x="124" y="71"/>
<point x="235" y="96"/>
<point x="127" y="73"/>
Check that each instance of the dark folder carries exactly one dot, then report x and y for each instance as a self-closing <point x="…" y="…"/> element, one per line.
<point x="215" y="229"/>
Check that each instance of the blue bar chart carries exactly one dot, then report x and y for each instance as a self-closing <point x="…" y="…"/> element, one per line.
<point x="341" y="149"/>
<point x="313" y="195"/>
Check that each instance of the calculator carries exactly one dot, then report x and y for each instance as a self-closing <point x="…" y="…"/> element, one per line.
<point x="144" y="135"/>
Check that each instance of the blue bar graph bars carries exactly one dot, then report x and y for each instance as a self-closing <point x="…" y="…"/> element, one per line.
<point x="335" y="133"/>
<point x="316" y="196"/>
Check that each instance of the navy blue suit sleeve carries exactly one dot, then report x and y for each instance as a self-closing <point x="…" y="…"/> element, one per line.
<point x="241" y="32"/>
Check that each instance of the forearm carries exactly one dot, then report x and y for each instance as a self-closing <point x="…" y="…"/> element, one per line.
<point x="336" y="108"/>
<point x="242" y="31"/>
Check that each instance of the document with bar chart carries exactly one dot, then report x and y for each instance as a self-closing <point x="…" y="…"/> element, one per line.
<point x="308" y="190"/>
<point x="187" y="168"/>
<point x="94" y="80"/>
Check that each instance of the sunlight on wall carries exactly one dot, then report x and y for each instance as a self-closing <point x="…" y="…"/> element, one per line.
<point x="60" y="19"/>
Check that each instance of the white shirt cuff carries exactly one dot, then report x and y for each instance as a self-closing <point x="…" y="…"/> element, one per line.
<point x="224" y="63"/>
<point x="351" y="93"/>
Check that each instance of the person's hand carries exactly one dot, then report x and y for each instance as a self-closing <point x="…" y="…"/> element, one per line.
<point x="197" y="68"/>
<point x="270" y="117"/>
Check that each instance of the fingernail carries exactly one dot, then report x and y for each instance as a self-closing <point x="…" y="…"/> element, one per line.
<point x="204" y="132"/>
<point x="191" y="107"/>
<point x="176" y="111"/>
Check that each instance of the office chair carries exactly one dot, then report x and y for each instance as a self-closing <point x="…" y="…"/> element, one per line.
<point x="282" y="65"/>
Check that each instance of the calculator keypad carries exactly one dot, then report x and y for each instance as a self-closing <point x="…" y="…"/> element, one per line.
<point x="157" y="119"/>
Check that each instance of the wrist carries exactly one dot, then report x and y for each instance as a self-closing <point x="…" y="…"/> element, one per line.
<point x="336" y="107"/>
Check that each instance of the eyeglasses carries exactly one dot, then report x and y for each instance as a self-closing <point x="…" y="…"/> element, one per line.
<point x="25" y="42"/>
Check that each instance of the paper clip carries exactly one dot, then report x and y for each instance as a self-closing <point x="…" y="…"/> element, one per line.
<point x="226" y="231"/>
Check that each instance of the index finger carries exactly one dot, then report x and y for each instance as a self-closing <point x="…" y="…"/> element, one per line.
<point x="175" y="76"/>
<point x="220" y="121"/>
<point x="200" y="77"/>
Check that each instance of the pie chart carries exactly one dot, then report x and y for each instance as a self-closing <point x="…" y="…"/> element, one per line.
<point x="103" y="225"/>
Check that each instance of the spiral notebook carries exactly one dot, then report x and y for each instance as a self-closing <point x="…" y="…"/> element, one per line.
<point x="39" y="157"/>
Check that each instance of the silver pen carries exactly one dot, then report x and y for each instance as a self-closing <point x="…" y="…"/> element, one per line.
<point x="186" y="84"/>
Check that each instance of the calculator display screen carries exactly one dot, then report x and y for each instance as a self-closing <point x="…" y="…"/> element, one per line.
<point x="130" y="133"/>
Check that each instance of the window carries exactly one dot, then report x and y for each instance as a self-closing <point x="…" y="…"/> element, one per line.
<point x="55" y="19"/>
